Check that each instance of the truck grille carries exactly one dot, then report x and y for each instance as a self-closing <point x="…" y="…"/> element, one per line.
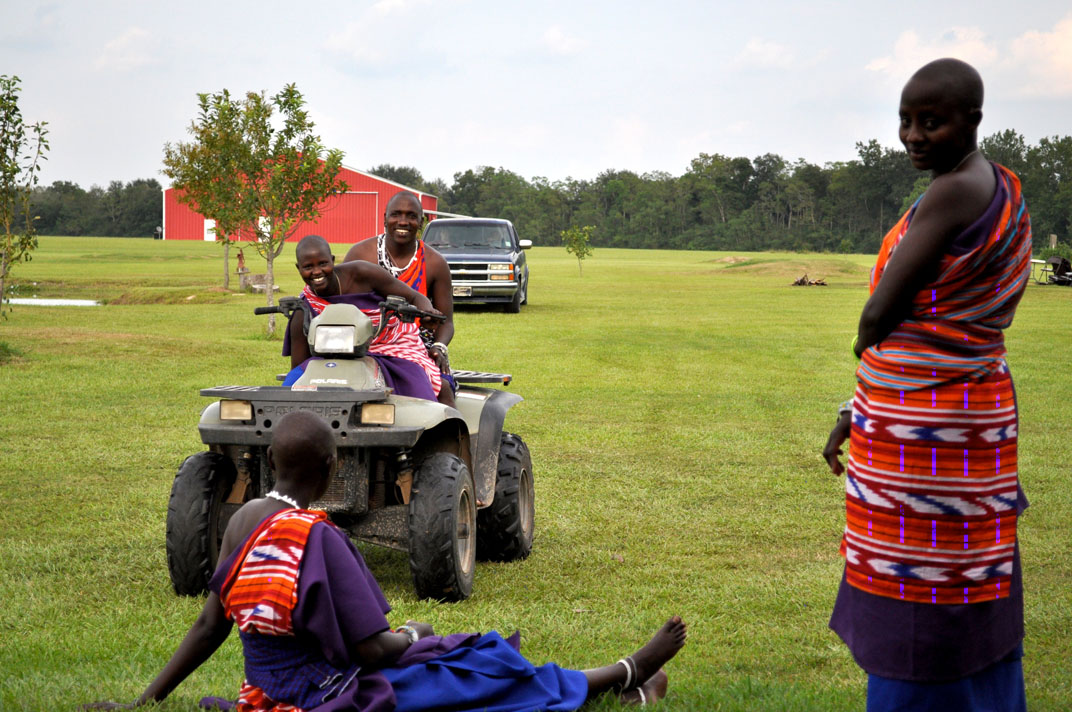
<point x="480" y="272"/>
<point x="470" y="272"/>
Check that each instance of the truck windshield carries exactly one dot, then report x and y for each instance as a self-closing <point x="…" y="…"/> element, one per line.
<point x="495" y="236"/>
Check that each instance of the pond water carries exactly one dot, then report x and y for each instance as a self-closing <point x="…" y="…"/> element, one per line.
<point x="56" y="302"/>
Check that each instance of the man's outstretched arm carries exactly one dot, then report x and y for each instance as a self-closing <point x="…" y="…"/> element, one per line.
<point x="205" y="636"/>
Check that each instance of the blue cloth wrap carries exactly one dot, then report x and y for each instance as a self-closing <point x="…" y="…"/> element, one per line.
<point x="488" y="675"/>
<point x="997" y="688"/>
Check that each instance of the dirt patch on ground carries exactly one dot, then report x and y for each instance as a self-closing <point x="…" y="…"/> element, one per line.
<point x="209" y="295"/>
<point x="814" y="267"/>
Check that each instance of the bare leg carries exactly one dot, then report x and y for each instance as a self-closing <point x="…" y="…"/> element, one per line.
<point x="647" y="664"/>
<point x="446" y="395"/>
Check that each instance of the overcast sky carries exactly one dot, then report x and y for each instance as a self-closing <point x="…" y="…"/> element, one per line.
<point x="553" y="89"/>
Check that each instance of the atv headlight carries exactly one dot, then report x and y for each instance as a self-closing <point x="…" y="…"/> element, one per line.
<point x="334" y="339"/>
<point x="236" y="410"/>
<point x="378" y="414"/>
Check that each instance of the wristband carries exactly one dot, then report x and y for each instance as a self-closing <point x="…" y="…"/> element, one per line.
<point x="410" y="632"/>
<point x="845" y="407"/>
<point x="441" y="346"/>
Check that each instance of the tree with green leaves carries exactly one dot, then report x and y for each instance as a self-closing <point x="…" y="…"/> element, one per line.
<point x="22" y="149"/>
<point x="256" y="175"/>
<point x="576" y="240"/>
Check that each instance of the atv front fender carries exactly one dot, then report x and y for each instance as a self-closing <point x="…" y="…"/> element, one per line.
<point x="486" y="408"/>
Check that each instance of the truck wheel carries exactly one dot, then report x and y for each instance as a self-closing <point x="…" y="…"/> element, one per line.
<point x="504" y="528"/>
<point x="514" y="305"/>
<point x="442" y="529"/>
<point x="193" y="520"/>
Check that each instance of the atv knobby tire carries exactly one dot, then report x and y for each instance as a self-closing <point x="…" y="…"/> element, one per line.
<point x="504" y="528"/>
<point x="442" y="529"/>
<point x="193" y="520"/>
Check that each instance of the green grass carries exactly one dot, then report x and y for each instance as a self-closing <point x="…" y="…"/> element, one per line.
<point x="675" y="406"/>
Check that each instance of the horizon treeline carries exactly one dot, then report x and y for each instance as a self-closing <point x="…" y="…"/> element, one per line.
<point x="719" y="203"/>
<point x="133" y="209"/>
<point x="736" y="203"/>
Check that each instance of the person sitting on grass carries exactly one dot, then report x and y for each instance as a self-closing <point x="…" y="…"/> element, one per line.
<point x="404" y="361"/>
<point x="312" y="622"/>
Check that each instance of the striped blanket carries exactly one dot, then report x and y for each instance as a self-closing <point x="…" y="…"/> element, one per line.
<point x="932" y="474"/>
<point x="261" y="588"/>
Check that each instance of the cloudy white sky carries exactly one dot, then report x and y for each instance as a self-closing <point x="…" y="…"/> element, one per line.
<point x="553" y="89"/>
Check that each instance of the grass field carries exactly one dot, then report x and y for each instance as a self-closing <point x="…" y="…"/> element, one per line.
<point x="675" y="406"/>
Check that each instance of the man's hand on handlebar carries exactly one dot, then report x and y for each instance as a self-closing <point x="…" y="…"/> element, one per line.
<point x="425" y="305"/>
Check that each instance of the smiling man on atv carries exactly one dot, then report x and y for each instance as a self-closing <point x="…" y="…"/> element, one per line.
<point x="400" y="251"/>
<point x="404" y="361"/>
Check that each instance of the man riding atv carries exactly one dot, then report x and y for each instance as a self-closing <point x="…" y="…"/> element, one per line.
<point x="401" y="252"/>
<point x="407" y="367"/>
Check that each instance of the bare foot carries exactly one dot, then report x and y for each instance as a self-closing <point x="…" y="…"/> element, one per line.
<point x="663" y="645"/>
<point x="654" y="688"/>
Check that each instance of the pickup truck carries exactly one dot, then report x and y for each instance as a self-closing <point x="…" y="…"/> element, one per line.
<point x="486" y="259"/>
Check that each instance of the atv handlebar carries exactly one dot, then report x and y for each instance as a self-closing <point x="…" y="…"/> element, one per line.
<point x="407" y="312"/>
<point x="286" y="306"/>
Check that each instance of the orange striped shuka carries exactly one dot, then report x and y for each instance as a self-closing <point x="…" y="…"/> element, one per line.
<point x="261" y="588"/>
<point x="932" y="481"/>
<point x="413" y="274"/>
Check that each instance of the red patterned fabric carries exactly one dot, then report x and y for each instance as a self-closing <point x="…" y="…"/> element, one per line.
<point x="261" y="588"/>
<point x="412" y="274"/>
<point x="955" y="330"/>
<point x="252" y="699"/>
<point x="932" y="478"/>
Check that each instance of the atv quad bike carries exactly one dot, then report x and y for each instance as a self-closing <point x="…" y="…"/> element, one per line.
<point x="448" y="485"/>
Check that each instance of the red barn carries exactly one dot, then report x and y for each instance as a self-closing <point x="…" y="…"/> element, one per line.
<point x="346" y="218"/>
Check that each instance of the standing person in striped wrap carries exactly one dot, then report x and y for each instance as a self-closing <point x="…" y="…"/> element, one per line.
<point x="401" y="252"/>
<point x="931" y="601"/>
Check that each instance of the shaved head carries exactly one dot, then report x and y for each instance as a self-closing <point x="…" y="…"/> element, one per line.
<point x="941" y="107"/>
<point x="955" y="80"/>
<point x="405" y="195"/>
<point x="310" y="242"/>
<point x="302" y="441"/>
